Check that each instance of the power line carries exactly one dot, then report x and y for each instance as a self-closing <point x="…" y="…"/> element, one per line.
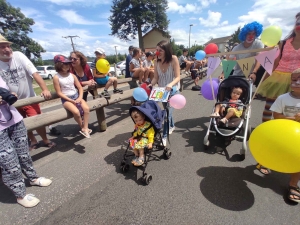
<point x="71" y="37"/>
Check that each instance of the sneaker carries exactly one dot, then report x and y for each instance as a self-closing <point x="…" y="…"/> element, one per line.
<point x="29" y="201"/>
<point x="215" y="115"/>
<point x="171" y="129"/>
<point x="164" y="141"/>
<point x="105" y="94"/>
<point x="54" y="131"/>
<point x="118" y="90"/>
<point x="41" y="181"/>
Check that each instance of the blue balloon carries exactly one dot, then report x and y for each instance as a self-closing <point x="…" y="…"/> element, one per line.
<point x="140" y="94"/>
<point x="200" y="55"/>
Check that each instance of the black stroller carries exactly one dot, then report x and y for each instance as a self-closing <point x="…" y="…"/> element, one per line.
<point x="155" y="116"/>
<point x="236" y="128"/>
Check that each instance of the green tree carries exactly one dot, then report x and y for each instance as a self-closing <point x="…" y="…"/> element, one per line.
<point x="131" y="18"/>
<point x="15" y="27"/>
<point x="234" y="39"/>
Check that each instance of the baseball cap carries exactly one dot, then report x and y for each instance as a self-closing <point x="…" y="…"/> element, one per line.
<point x="4" y="40"/>
<point x="61" y="58"/>
<point x="130" y="48"/>
<point x="100" y="51"/>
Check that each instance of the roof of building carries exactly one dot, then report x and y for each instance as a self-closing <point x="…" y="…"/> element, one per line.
<point x="218" y="40"/>
<point x="159" y="30"/>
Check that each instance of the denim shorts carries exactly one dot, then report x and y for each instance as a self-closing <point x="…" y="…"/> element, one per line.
<point x="102" y="80"/>
<point x="74" y="97"/>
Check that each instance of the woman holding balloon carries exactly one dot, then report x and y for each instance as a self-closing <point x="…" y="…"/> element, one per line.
<point x="166" y="74"/>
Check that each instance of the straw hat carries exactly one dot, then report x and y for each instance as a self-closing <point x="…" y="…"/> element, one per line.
<point x="4" y="40"/>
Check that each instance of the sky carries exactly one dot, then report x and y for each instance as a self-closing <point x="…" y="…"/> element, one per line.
<point x="88" y="19"/>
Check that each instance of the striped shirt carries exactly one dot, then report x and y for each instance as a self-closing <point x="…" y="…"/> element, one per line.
<point x="164" y="78"/>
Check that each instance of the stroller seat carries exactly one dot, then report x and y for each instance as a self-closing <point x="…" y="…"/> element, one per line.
<point x="155" y="116"/>
<point x="235" y="128"/>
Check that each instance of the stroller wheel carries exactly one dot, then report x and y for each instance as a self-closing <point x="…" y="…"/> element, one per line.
<point x="167" y="154"/>
<point x="124" y="168"/>
<point x="147" y="178"/>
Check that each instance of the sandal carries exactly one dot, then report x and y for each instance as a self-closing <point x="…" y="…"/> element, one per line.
<point x="261" y="169"/>
<point x="215" y="115"/>
<point x="41" y="181"/>
<point x="139" y="162"/>
<point x="86" y="134"/>
<point x="295" y="192"/>
<point x="34" y="146"/>
<point x="51" y="144"/>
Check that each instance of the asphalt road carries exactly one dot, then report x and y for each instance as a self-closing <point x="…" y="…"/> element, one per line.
<point x="194" y="186"/>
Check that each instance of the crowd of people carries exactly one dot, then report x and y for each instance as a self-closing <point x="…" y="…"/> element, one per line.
<point x="282" y="91"/>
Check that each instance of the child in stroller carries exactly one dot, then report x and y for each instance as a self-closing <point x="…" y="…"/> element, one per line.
<point x="236" y="124"/>
<point x="153" y="117"/>
<point x="143" y="136"/>
<point x="233" y="106"/>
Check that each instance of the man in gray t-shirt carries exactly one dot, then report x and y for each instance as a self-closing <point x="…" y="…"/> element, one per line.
<point x="184" y="63"/>
<point x="248" y="36"/>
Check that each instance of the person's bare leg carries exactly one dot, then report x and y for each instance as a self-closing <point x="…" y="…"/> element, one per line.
<point x="32" y="138"/>
<point x="196" y="81"/>
<point x="230" y="114"/>
<point x="146" y="74"/>
<point x="151" y="74"/>
<point x="188" y="66"/>
<point x="86" y="116"/>
<point x="42" y="132"/>
<point x="295" y="178"/>
<point x="109" y="83"/>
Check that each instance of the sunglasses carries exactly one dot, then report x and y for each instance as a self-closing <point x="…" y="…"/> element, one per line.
<point x="73" y="59"/>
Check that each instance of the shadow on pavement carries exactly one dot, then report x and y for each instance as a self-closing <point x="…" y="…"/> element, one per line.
<point x="226" y="187"/>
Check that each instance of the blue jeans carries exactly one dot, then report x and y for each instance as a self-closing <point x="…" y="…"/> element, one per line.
<point x="166" y="105"/>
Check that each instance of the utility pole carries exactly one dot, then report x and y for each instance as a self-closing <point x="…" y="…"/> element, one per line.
<point x="71" y="37"/>
<point x="190" y="38"/>
<point x="116" y="53"/>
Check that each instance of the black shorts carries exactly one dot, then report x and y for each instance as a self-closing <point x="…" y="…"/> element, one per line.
<point x="183" y="65"/>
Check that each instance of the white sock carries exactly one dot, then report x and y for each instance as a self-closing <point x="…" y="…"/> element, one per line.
<point x="50" y="127"/>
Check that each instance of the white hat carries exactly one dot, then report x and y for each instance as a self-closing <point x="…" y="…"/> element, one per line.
<point x="100" y="51"/>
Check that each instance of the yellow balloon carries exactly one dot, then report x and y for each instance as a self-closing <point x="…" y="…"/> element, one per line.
<point x="103" y="66"/>
<point x="276" y="145"/>
<point x="271" y="36"/>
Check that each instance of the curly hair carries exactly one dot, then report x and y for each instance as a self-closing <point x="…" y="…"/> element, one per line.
<point x="254" y="26"/>
<point x="81" y="56"/>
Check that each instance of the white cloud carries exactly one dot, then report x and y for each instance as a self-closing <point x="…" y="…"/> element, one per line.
<point x="73" y="18"/>
<point x="206" y="3"/>
<point x="78" y="2"/>
<point x="188" y="8"/>
<point x="212" y="20"/>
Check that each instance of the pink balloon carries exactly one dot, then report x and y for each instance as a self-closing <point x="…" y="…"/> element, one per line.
<point x="177" y="101"/>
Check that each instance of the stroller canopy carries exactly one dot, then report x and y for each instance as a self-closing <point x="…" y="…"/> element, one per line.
<point x="153" y="113"/>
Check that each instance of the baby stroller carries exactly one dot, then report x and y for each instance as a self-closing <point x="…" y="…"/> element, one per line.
<point x="155" y="116"/>
<point x="236" y="128"/>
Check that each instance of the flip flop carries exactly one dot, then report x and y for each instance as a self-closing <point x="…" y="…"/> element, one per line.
<point x="260" y="167"/>
<point x="34" y="146"/>
<point x="87" y="135"/>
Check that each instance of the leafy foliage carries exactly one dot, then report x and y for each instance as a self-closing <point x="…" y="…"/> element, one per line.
<point x="15" y="27"/>
<point x="134" y="17"/>
<point x="234" y="39"/>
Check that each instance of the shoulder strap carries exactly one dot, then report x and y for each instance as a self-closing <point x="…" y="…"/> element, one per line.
<point x="281" y="50"/>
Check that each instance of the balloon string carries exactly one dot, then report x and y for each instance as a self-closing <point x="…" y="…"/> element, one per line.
<point x="256" y="90"/>
<point x="212" y="88"/>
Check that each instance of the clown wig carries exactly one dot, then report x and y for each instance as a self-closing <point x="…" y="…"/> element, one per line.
<point x="254" y="26"/>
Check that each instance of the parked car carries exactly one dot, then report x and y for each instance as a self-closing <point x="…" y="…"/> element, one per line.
<point x="111" y="70"/>
<point x="46" y="72"/>
<point x="122" y="66"/>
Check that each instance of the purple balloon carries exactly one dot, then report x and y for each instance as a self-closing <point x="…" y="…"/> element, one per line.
<point x="216" y="79"/>
<point x="206" y="89"/>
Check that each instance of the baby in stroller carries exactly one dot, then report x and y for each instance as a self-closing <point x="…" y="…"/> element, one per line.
<point x="234" y="106"/>
<point x="143" y="136"/>
<point x="146" y="137"/>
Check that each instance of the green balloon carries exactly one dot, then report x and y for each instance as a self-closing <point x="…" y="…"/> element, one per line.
<point x="271" y="36"/>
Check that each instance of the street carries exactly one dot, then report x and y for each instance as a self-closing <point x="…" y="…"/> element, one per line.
<point x="195" y="186"/>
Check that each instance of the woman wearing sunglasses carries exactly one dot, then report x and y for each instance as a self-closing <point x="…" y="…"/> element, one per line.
<point x="82" y="71"/>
